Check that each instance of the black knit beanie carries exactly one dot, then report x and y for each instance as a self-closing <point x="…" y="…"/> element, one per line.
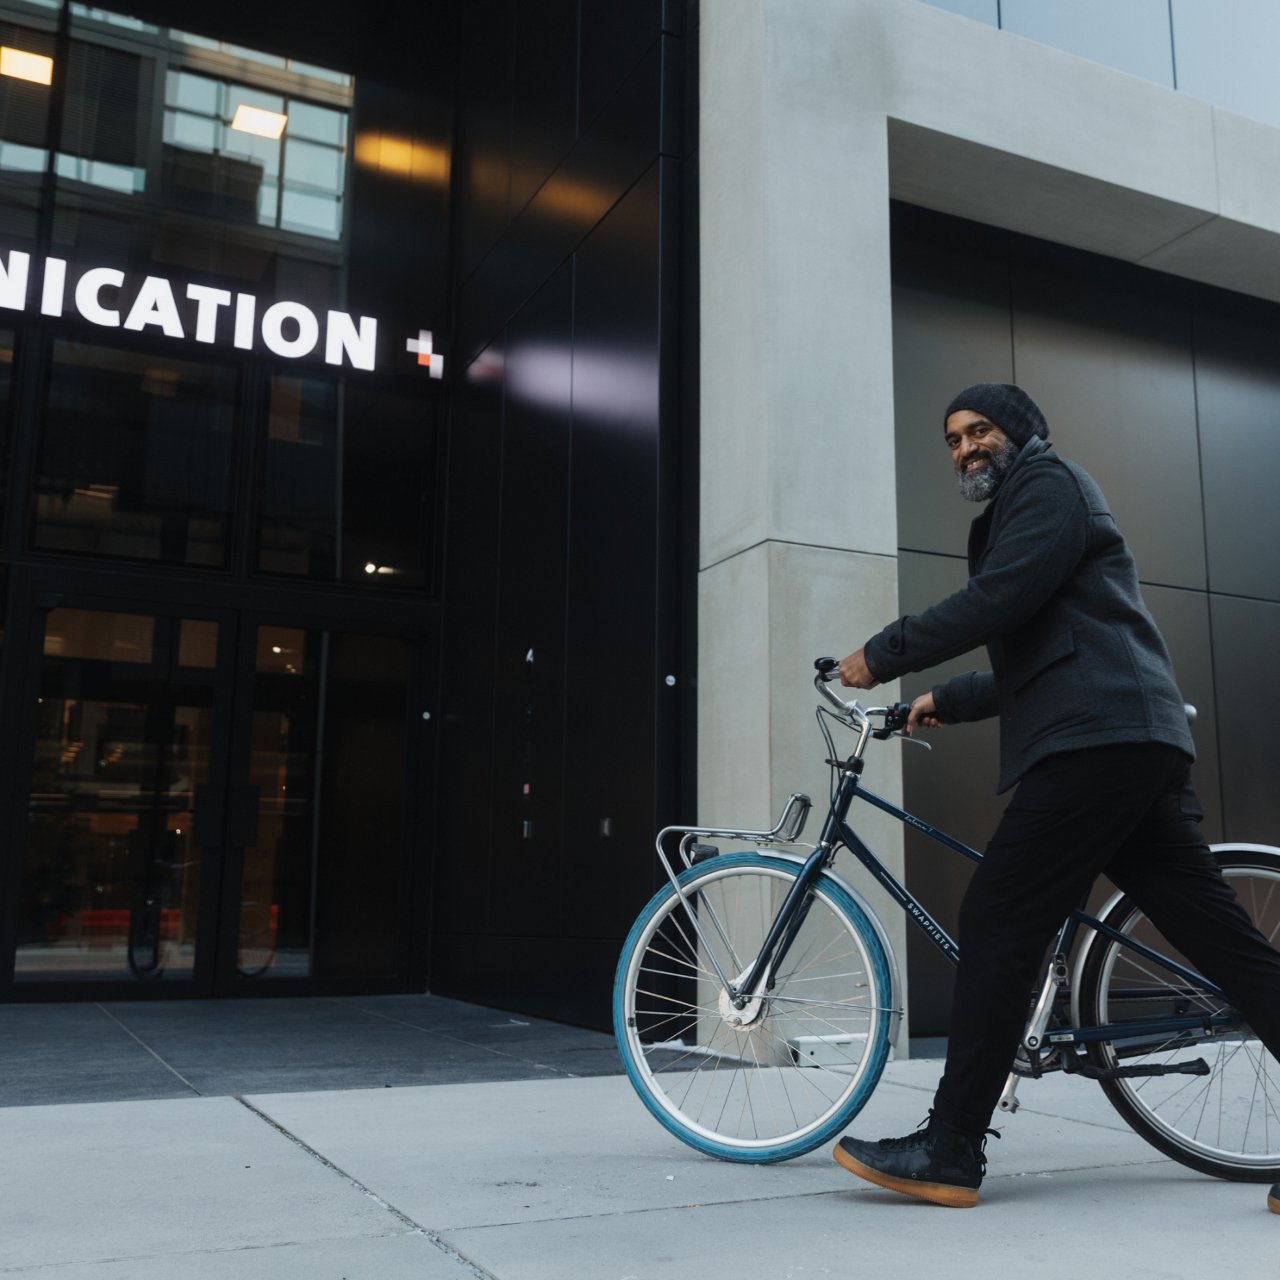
<point x="1009" y="407"/>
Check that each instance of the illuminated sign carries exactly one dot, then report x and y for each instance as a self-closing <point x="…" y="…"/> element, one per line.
<point x="287" y="329"/>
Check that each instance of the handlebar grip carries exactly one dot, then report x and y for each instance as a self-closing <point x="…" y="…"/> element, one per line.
<point x="825" y="667"/>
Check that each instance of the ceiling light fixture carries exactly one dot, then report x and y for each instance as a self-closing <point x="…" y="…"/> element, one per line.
<point x="263" y="124"/>
<point x="25" y="66"/>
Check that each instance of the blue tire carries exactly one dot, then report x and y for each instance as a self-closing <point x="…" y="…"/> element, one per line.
<point x="787" y="1072"/>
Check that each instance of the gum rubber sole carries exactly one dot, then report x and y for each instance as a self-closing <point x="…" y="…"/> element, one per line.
<point x="1273" y="1199"/>
<point x="933" y="1192"/>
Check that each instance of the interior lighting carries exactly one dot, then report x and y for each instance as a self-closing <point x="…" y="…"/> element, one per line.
<point x="371" y="567"/>
<point x="262" y="124"/>
<point x="25" y="66"/>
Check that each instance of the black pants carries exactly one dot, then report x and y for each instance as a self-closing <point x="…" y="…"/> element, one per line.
<point x="1127" y="811"/>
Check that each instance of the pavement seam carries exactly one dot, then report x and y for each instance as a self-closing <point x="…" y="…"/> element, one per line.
<point x="1116" y="1124"/>
<point x="471" y="1044"/>
<point x="143" y="1044"/>
<point x="24" y="1268"/>
<point x="479" y="1272"/>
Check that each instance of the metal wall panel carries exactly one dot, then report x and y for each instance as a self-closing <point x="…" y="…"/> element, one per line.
<point x="1246" y="640"/>
<point x="950" y="330"/>
<point x="1238" y="386"/>
<point x="611" y="619"/>
<point x="560" y="743"/>
<point x="1105" y="349"/>
<point x="529" y="667"/>
<point x="952" y="786"/>
<point x="1183" y="619"/>
<point x="1148" y="382"/>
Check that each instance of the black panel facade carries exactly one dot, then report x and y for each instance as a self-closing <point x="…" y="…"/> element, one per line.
<point x="566" y="446"/>
<point x="344" y="416"/>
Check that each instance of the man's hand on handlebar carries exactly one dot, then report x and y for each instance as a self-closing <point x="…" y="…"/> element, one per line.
<point x="923" y="713"/>
<point x="855" y="674"/>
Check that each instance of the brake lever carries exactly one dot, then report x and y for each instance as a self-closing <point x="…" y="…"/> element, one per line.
<point x="920" y="742"/>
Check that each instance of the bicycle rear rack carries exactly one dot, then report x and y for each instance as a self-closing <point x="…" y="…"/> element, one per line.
<point x="787" y="830"/>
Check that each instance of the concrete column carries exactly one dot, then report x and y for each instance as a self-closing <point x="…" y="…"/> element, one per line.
<point x="798" y="534"/>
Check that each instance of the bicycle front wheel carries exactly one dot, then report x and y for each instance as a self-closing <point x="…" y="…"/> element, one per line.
<point x="787" y="1072"/>
<point x="1224" y="1121"/>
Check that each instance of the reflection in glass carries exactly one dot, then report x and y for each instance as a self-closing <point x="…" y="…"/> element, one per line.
<point x="134" y="456"/>
<point x="24" y="124"/>
<point x="111" y="867"/>
<point x="327" y="748"/>
<point x="277" y="873"/>
<point x="6" y="380"/>
<point x="248" y="137"/>
<point x="298" y="509"/>
<point x="388" y="477"/>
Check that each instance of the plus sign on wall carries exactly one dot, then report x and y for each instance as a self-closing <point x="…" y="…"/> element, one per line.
<point x="421" y="347"/>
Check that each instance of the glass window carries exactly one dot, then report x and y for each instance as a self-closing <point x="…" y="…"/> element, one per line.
<point x="193" y="93"/>
<point x="106" y="122"/>
<point x="311" y="214"/>
<point x="346" y="483"/>
<point x="6" y="382"/>
<point x="1132" y="37"/>
<point x="320" y="885"/>
<point x="298" y="504"/>
<point x="987" y="11"/>
<point x="134" y="456"/>
<point x="304" y="140"/>
<point x="313" y="166"/>
<point x="24" y="121"/>
<point x="388" y="470"/>
<point x="319" y="124"/>
<point x="1226" y="54"/>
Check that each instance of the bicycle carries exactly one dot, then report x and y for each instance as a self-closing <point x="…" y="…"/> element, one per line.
<point x="755" y="998"/>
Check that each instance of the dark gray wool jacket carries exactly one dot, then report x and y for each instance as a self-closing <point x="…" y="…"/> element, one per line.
<point x="1076" y="659"/>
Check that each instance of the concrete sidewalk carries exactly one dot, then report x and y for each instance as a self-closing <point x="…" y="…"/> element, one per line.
<point x="568" y="1178"/>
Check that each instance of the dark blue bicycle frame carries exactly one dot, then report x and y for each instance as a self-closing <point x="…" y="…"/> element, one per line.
<point x="836" y="832"/>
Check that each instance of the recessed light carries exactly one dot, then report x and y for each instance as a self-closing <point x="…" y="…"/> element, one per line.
<point x="264" y="124"/>
<point x="25" y="66"/>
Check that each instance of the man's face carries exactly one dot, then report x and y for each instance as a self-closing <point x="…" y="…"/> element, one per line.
<point x="980" y="452"/>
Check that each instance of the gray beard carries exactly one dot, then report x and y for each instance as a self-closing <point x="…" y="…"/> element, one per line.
<point x="978" y="486"/>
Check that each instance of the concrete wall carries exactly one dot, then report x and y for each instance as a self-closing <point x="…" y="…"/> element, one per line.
<point x="813" y="116"/>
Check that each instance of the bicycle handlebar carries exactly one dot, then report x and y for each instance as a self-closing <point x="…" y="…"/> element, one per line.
<point x="895" y="716"/>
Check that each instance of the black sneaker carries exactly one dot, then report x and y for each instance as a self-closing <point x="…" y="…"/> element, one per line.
<point x="1273" y="1198"/>
<point x="936" y="1163"/>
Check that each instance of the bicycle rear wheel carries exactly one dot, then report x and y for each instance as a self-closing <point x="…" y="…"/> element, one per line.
<point x="790" y="1070"/>
<point x="1225" y="1122"/>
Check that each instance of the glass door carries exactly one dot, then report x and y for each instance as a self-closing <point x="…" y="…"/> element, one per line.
<point x="124" y="799"/>
<point x="211" y="801"/>
<point x="320" y="883"/>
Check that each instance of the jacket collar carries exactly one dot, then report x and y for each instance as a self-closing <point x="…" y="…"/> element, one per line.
<point x="981" y="526"/>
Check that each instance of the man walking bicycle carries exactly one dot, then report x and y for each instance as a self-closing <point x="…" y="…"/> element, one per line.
<point x="1094" y="736"/>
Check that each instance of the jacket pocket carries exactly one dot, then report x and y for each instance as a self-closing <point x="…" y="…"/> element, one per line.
<point x="1035" y="656"/>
